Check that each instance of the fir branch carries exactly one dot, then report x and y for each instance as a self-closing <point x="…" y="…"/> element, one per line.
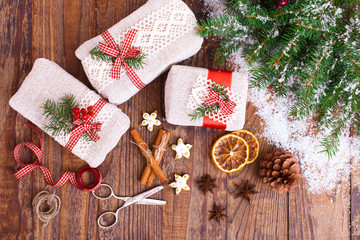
<point x="260" y="46"/>
<point x="315" y="29"/>
<point x="217" y="26"/>
<point x="221" y="90"/>
<point x="204" y="110"/>
<point x="97" y="54"/>
<point x="331" y="142"/>
<point x="312" y="44"/>
<point x="288" y="47"/>
<point x="317" y="65"/>
<point x="133" y="62"/>
<point x="59" y="115"/>
<point x="350" y="57"/>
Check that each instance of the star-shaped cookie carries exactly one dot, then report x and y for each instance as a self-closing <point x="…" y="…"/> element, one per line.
<point x="181" y="149"/>
<point x="180" y="183"/>
<point x="150" y="120"/>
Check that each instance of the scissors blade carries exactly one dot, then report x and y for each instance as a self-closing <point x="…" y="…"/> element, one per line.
<point x="142" y="196"/>
<point x="152" y="202"/>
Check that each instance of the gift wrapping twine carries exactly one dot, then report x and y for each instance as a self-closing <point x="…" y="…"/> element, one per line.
<point x="148" y="174"/>
<point x="53" y="202"/>
<point x="74" y="178"/>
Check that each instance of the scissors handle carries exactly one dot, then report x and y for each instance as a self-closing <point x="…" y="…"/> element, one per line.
<point x="115" y="214"/>
<point x="109" y="195"/>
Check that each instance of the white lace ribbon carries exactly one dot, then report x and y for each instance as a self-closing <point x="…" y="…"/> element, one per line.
<point x="200" y="92"/>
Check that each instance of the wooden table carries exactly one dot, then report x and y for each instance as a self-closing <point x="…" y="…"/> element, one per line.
<point x="54" y="29"/>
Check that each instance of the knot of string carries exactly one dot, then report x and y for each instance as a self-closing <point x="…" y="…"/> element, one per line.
<point x="46" y="213"/>
<point x="146" y="151"/>
<point x="160" y="148"/>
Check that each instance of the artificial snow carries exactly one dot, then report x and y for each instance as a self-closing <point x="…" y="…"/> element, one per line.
<point x="299" y="137"/>
<point x="320" y="173"/>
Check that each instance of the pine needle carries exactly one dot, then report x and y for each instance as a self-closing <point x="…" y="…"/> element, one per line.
<point x="59" y="115"/>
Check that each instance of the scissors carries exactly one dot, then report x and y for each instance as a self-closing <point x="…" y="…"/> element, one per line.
<point x="128" y="201"/>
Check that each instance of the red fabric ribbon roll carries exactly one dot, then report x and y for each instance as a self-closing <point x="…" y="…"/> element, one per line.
<point x="126" y="51"/>
<point x="220" y="77"/>
<point x="86" y="126"/>
<point x="67" y="176"/>
<point x="97" y="178"/>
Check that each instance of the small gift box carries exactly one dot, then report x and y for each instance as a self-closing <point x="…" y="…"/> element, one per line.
<point x="204" y="97"/>
<point x="136" y="50"/>
<point x="72" y="114"/>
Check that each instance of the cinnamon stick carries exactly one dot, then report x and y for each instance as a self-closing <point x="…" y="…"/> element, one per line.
<point x="148" y="155"/>
<point x="158" y="152"/>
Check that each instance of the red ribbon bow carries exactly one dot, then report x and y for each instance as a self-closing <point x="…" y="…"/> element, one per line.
<point x="74" y="178"/>
<point x="86" y="126"/>
<point x="226" y="106"/>
<point x="126" y="51"/>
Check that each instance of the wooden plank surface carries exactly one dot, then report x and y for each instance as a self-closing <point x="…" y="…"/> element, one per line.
<point x="30" y="29"/>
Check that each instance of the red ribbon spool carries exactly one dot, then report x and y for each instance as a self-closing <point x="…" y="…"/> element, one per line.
<point x="74" y="178"/>
<point x="97" y="178"/>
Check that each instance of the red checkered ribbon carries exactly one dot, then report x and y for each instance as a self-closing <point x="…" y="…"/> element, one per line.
<point x="86" y="127"/>
<point x="67" y="176"/>
<point x="126" y="51"/>
<point x="226" y="106"/>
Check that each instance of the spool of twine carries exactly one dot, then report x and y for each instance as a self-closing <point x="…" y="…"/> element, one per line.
<point x="52" y="203"/>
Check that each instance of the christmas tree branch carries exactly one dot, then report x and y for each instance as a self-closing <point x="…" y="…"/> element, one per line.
<point x="351" y="59"/>
<point x="285" y="13"/>
<point x="133" y="62"/>
<point x="317" y="65"/>
<point x="309" y="48"/>
<point x="331" y="142"/>
<point x="260" y="46"/>
<point x="59" y="114"/>
<point x="205" y="109"/>
<point x="291" y="44"/>
<point x="221" y="90"/>
<point x="315" y="29"/>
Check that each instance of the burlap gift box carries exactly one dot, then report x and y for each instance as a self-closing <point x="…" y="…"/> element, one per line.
<point x="179" y="88"/>
<point x="166" y="34"/>
<point x="47" y="80"/>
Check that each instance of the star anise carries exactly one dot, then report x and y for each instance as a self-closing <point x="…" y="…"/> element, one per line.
<point x="245" y="191"/>
<point x="217" y="213"/>
<point x="206" y="183"/>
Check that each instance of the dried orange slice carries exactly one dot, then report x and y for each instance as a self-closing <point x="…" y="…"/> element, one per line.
<point x="230" y="153"/>
<point x="252" y="141"/>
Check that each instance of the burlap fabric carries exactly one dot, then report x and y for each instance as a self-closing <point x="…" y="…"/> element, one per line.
<point x="47" y="80"/>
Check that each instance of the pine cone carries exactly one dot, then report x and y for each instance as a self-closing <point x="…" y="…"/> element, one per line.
<point x="280" y="170"/>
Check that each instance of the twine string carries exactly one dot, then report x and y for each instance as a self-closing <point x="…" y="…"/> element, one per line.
<point x="160" y="148"/>
<point x="52" y="200"/>
<point x="146" y="151"/>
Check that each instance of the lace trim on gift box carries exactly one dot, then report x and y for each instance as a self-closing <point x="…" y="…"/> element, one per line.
<point x="200" y="92"/>
<point x="84" y="148"/>
<point x="156" y="31"/>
